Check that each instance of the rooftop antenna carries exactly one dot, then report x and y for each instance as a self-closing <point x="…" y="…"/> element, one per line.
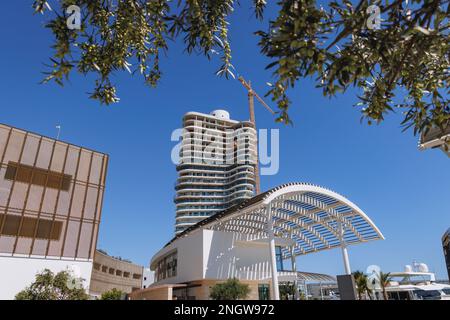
<point x="58" y="127"/>
<point x="251" y="106"/>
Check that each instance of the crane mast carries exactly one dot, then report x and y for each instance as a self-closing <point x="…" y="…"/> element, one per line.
<point x="251" y="107"/>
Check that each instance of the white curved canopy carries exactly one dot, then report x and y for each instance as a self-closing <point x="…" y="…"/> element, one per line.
<point x="314" y="218"/>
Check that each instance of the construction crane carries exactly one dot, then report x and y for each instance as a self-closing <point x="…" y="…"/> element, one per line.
<point x="251" y="108"/>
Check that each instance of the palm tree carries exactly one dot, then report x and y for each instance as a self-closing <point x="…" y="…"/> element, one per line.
<point x="384" y="279"/>
<point x="361" y="284"/>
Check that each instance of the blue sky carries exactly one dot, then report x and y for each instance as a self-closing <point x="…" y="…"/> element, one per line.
<point x="405" y="191"/>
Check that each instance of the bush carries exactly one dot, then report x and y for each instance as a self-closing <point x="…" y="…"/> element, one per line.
<point x="232" y="289"/>
<point x="48" y="286"/>
<point x="113" y="294"/>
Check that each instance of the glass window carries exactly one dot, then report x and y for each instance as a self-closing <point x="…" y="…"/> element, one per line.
<point x="279" y="258"/>
<point x="263" y="292"/>
<point x="167" y="267"/>
<point x="427" y="294"/>
<point x="403" y="295"/>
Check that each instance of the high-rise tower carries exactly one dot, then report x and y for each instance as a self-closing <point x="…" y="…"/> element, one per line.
<point x="216" y="168"/>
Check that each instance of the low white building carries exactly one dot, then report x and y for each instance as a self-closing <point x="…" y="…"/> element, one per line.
<point x="148" y="278"/>
<point x="252" y="240"/>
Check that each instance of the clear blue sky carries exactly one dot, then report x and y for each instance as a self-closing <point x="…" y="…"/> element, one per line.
<point x="405" y="191"/>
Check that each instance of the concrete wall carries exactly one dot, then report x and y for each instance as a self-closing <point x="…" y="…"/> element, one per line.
<point x="159" y="293"/>
<point x="109" y="273"/>
<point x="18" y="273"/>
<point x="203" y="291"/>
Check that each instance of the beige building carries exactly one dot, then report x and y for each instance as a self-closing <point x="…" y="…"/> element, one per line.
<point x="110" y="272"/>
<point x="51" y="195"/>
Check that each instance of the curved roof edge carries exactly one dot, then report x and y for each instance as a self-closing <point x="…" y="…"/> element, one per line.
<point x="270" y="195"/>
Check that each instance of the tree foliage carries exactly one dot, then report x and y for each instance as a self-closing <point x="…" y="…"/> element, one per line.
<point x="384" y="280"/>
<point x="287" y="290"/>
<point x="50" y="286"/>
<point x="362" y="286"/>
<point x="232" y="289"/>
<point x="113" y="294"/>
<point x="402" y="65"/>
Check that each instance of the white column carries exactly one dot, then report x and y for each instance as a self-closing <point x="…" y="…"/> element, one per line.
<point x="294" y="268"/>
<point x="293" y="262"/>
<point x="347" y="268"/>
<point x="273" y="259"/>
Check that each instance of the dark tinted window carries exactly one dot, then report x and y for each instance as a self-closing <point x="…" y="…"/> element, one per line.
<point x="46" y="229"/>
<point x="37" y="176"/>
<point x="427" y="294"/>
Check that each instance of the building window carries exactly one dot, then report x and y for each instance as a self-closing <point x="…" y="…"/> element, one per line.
<point x="263" y="292"/>
<point x="31" y="227"/>
<point x="97" y="266"/>
<point x="167" y="267"/>
<point x="279" y="259"/>
<point x="37" y="176"/>
<point x="126" y="274"/>
<point x="136" y="276"/>
<point x="104" y="269"/>
<point x="119" y="273"/>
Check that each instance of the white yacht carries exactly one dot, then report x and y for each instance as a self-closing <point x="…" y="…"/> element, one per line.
<point x="416" y="283"/>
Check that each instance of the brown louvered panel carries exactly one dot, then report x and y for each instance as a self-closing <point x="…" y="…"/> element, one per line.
<point x="54" y="181"/>
<point x="10" y="173"/>
<point x="24" y="174"/>
<point x="28" y="225"/>
<point x="10" y="225"/>
<point x="44" y="231"/>
<point x="37" y="176"/>
<point x="66" y="182"/>
<point x="56" y="228"/>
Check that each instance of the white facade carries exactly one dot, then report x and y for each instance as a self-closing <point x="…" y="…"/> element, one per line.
<point x="148" y="278"/>
<point x="17" y="273"/>
<point x="217" y="166"/>
<point x="217" y="255"/>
